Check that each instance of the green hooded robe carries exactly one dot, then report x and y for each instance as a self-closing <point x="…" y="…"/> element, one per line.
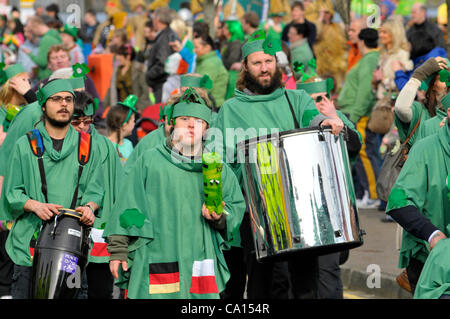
<point x="23" y="182"/>
<point x="50" y="38"/>
<point x="404" y="129"/>
<point x="173" y="251"/>
<point x="422" y="183"/>
<point x="113" y="175"/>
<point x="149" y="141"/>
<point x="431" y="125"/>
<point x="434" y="280"/>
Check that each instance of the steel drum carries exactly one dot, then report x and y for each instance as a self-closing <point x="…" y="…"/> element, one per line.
<point x="60" y="257"/>
<point x="299" y="193"/>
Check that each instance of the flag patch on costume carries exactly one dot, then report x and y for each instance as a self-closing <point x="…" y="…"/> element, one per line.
<point x="203" y="277"/>
<point x="99" y="247"/>
<point x="164" y="278"/>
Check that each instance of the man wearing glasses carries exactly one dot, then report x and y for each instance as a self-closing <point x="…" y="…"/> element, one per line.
<point x="24" y="201"/>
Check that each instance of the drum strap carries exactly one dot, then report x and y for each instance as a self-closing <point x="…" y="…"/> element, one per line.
<point x="292" y="111"/>
<point x="84" y="154"/>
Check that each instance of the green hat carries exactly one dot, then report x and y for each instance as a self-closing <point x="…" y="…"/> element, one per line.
<point x="91" y="108"/>
<point x="70" y="30"/>
<point x="446" y="102"/>
<point x="129" y="102"/>
<point x="9" y="72"/>
<point x="79" y="75"/>
<point x="258" y="41"/>
<point x="53" y="87"/>
<point x="317" y="87"/>
<point x="184" y="107"/>
<point x="196" y="82"/>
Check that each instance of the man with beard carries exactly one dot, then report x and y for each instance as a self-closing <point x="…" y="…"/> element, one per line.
<point x="26" y="202"/>
<point x="261" y="106"/>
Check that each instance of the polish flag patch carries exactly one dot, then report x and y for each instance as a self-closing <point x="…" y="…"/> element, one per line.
<point x="203" y="277"/>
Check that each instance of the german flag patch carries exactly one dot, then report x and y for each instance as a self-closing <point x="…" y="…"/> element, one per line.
<point x="164" y="278"/>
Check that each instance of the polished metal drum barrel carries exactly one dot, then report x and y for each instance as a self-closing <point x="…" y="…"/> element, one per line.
<point x="60" y="257"/>
<point x="299" y="193"/>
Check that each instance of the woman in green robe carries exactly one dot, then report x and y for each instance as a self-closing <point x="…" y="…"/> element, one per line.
<point x="163" y="241"/>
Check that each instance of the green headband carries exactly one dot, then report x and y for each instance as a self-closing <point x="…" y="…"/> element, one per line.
<point x="196" y="82"/>
<point x="53" y="87"/>
<point x="129" y="102"/>
<point x="446" y="102"/>
<point x="185" y="107"/>
<point x="11" y="71"/>
<point x="316" y="87"/>
<point x="259" y="42"/>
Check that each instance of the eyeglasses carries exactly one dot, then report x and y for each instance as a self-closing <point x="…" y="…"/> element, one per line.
<point x="319" y="98"/>
<point x="78" y="122"/>
<point x="59" y="99"/>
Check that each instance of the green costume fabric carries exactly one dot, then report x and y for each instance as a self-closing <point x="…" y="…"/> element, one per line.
<point x="22" y="182"/>
<point x="233" y="76"/>
<point x="405" y="129"/>
<point x="431" y="125"/>
<point x="47" y="40"/>
<point x="2" y="118"/>
<point x="434" y="280"/>
<point x="23" y="122"/>
<point x="211" y="65"/>
<point x="149" y="141"/>
<point x="356" y="97"/>
<point x="422" y="183"/>
<point x="160" y="208"/>
<point x="113" y="177"/>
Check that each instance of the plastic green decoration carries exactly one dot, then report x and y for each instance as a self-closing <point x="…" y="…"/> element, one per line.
<point x="80" y="70"/>
<point x="206" y="82"/>
<point x="212" y="181"/>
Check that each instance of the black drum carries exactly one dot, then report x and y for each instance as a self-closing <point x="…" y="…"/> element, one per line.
<point x="60" y="257"/>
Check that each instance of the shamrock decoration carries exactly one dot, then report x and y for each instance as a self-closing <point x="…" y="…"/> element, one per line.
<point x="298" y="66"/>
<point x="161" y="111"/>
<point x="169" y="112"/>
<point x="271" y="46"/>
<point x="444" y="76"/>
<point x="206" y="82"/>
<point x="330" y="84"/>
<point x="80" y="70"/>
<point x="312" y="64"/>
<point x="40" y="96"/>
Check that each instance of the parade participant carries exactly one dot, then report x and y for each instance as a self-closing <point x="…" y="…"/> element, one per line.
<point x="99" y="278"/>
<point x="14" y="93"/>
<point x="49" y="37"/>
<point x="298" y="44"/>
<point x="353" y="55"/>
<point x="120" y="123"/>
<point x="409" y="112"/>
<point x="186" y="259"/>
<point x="356" y="100"/>
<point x="433" y="124"/>
<point x="200" y="83"/>
<point x="23" y="199"/>
<point x="419" y="201"/>
<point x="68" y="35"/>
<point x="262" y="104"/>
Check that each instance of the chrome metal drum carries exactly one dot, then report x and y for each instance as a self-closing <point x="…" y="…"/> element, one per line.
<point x="300" y="194"/>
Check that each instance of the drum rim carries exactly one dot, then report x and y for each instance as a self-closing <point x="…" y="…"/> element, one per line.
<point x="69" y="212"/>
<point x="261" y="138"/>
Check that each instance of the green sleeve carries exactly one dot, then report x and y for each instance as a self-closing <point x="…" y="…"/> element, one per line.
<point x="364" y="96"/>
<point x="118" y="247"/>
<point x="41" y="58"/>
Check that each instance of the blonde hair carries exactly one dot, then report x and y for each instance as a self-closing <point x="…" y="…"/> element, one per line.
<point x="7" y="92"/>
<point x="395" y="27"/>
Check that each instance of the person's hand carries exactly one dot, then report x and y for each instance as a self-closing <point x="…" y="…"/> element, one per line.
<point x="437" y="237"/>
<point x="114" y="267"/>
<point x="336" y="125"/>
<point x="42" y="210"/>
<point x="397" y="65"/>
<point x="25" y="50"/>
<point x="87" y="216"/>
<point x="20" y="84"/>
<point x="441" y="61"/>
<point x="326" y="107"/>
<point x="210" y="215"/>
<point x="176" y="45"/>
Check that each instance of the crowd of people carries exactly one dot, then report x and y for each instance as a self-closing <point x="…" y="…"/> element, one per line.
<point x="141" y="189"/>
